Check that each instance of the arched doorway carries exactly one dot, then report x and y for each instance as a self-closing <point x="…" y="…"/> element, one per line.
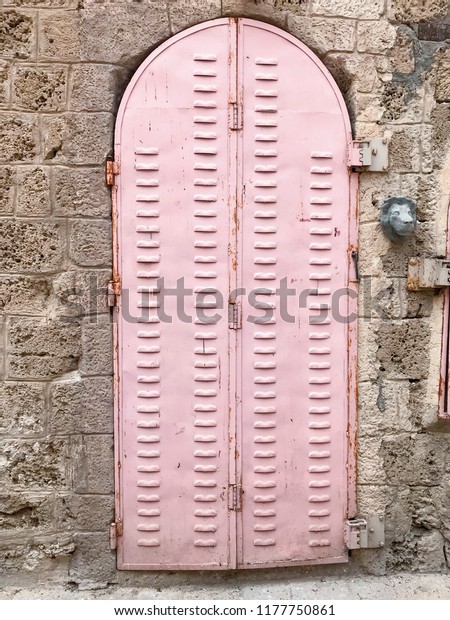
<point x="233" y="364"/>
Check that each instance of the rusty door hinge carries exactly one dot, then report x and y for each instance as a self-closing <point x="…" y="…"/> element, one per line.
<point x="113" y="293"/>
<point x="235" y="497"/>
<point x="115" y="530"/>
<point x="369" y="155"/>
<point x="234" y="314"/>
<point x="112" y="169"/>
<point x="365" y="533"/>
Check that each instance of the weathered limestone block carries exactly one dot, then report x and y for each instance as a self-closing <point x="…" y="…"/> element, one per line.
<point x="84" y="406"/>
<point x="92" y="563"/>
<point x="43" y="349"/>
<point x="373" y="245"/>
<point x="360" y="68"/>
<point x="30" y="246"/>
<point x="79" y="293"/>
<point x="415" y="459"/>
<point x="92" y="461"/>
<point x="372" y="499"/>
<point x="94" y="87"/>
<point x="19" y="139"/>
<point x="348" y="8"/>
<point x="443" y="76"/>
<point x="40" y="558"/>
<point x="59" y="37"/>
<point x="405" y="149"/>
<point x="22" y="409"/>
<point x="440" y="127"/>
<point x="33" y="191"/>
<point x="17" y="33"/>
<point x="274" y="10"/>
<point x="401" y="54"/>
<point x="323" y="35"/>
<point x="34" y="464"/>
<point x="25" y="511"/>
<point x="368" y="363"/>
<point x="374" y="188"/>
<point x="123" y="34"/>
<point x="383" y="408"/>
<point x="375" y="37"/>
<point x="84" y="138"/>
<point x="24" y="294"/>
<point x="430" y="552"/>
<point x="370" y="463"/>
<point x="425" y="191"/>
<point x="402" y="353"/>
<point x="183" y="13"/>
<point x="5" y="73"/>
<point x="90" y="243"/>
<point x="40" y="88"/>
<point x="89" y="513"/>
<point x="368" y="108"/>
<point x="81" y="192"/>
<point x="417" y="10"/>
<point x="96" y="347"/>
<point x="7" y="187"/>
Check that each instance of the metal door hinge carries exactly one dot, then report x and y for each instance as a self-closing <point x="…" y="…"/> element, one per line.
<point x="365" y="533"/>
<point x="369" y="154"/>
<point x="428" y="273"/>
<point x="235" y="116"/>
<point x="112" y="169"/>
<point x="115" y="530"/>
<point x="113" y="292"/>
<point x="234" y="314"/>
<point x="235" y="497"/>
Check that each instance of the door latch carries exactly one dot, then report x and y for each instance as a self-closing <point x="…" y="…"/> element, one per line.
<point x="428" y="273"/>
<point x="365" y="533"/>
<point x="369" y="155"/>
<point x="234" y="314"/>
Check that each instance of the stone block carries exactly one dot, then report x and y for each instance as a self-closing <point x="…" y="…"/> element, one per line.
<point x="96" y="347"/>
<point x="440" y="125"/>
<point x="401" y="54"/>
<point x="59" y="36"/>
<point x="7" y="190"/>
<point x="415" y="459"/>
<point x="426" y="191"/>
<point x="40" y="88"/>
<point x="33" y="191"/>
<point x="374" y="187"/>
<point x="25" y="511"/>
<point x="373" y="245"/>
<point x="90" y="243"/>
<point x="91" y="513"/>
<point x="405" y="149"/>
<point x="94" y="87"/>
<point x="401" y="352"/>
<point x="19" y="139"/>
<point x="368" y="108"/>
<point x="368" y="363"/>
<point x="34" y="464"/>
<point x="416" y="10"/>
<point x="400" y="104"/>
<point x="274" y="11"/>
<point x="22" y="409"/>
<point x="358" y="9"/>
<point x="383" y="408"/>
<point x="5" y="73"/>
<point x="92" y="462"/>
<point x="83" y="138"/>
<point x="17" y="30"/>
<point x="31" y="246"/>
<point x="93" y="564"/>
<point x="84" y="406"/>
<point x="183" y="13"/>
<point x="122" y="34"/>
<point x="360" y="69"/>
<point x="372" y="499"/>
<point x="375" y="37"/>
<point x="80" y="293"/>
<point x="323" y="35"/>
<point x="42" y="350"/>
<point x="370" y="463"/>
<point x="81" y="192"/>
<point x="48" y="4"/>
<point x="24" y="295"/>
<point x="430" y="552"/>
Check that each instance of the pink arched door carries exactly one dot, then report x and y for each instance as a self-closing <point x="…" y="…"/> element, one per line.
<point x="233" y="366"/>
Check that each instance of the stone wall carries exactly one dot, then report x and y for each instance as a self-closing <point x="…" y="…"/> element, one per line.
<point x="64" y="65"/>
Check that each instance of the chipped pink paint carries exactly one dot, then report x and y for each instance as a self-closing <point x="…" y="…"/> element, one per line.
<point x="226" y="202"/>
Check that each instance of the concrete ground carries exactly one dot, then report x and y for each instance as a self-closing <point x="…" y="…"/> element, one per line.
<point x="402" y="587"/>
